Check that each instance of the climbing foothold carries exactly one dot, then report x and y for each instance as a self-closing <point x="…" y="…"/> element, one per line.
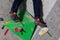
<point x="43" y="31"/>
<point x="2" y="27"/>
<point x="18" y="29"/>
<point x="5" y="22"/>
<point x="30" y="16"/>
<point x="6" y="32"/>
<point x="1" y="19"/>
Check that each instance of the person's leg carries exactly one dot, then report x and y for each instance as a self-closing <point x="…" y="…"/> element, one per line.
<point x="38" y="8"/>
<point x="14" y="9"/>
<point x="15" y="5"/>
<point x="38" y="11"/>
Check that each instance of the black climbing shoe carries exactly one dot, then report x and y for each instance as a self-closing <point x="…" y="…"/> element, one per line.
<point x="40" y="22"/>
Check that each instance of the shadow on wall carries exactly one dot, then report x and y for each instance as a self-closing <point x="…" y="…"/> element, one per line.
<point x="21" y="10"/>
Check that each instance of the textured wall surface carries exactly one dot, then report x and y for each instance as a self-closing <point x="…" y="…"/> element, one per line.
<point x="53" y="22"/>
<point x="47" y="6"/>
<point x="50" y="7"/>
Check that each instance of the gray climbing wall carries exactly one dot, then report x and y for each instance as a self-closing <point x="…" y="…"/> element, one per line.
<point x="51" y="15"/>
<point x="53" y="22"/>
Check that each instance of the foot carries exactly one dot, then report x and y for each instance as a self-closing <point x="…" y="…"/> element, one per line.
<point x="41" y="22"/>
<point x="14" y="16"/>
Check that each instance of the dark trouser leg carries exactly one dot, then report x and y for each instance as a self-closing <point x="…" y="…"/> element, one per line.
<point x="38" y="8"/>
<point x="15" y="5"/>
<point x="14" y="9"/>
